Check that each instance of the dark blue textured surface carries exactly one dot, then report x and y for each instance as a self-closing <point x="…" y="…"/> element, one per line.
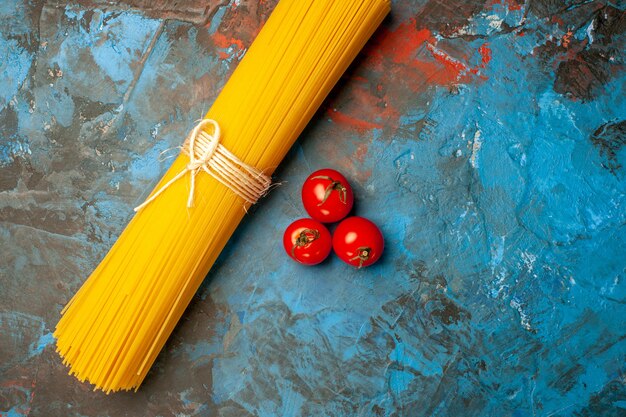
<point x="486" y="138"/>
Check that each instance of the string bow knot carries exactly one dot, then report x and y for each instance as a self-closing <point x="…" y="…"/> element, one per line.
<point x="207" y="154"/>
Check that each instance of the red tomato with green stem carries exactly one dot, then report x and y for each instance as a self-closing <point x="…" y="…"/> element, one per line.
<point x="358" y="241"/>
<point x="307" y="241"/>
<point x="327" y="196"/>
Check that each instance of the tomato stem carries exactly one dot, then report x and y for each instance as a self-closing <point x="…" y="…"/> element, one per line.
<point x="333" y="186"/>
<point x="363" y="255"/>
<point x="306" y="236"/>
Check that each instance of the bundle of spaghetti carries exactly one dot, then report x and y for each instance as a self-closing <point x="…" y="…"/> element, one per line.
<point x="113" y="328"/>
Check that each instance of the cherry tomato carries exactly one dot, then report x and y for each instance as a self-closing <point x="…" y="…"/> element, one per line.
<point x="307" y="241"/>
<point x="327" y="196"/>
<point x="358" y="241"/>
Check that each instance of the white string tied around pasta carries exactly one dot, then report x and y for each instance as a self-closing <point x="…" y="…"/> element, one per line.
<point x="207" y="154"/>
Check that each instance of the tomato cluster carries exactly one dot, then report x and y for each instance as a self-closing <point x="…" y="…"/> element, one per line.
<point x="327" y="197"/>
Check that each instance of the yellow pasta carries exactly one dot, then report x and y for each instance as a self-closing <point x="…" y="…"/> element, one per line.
<point x="114" y="327"/>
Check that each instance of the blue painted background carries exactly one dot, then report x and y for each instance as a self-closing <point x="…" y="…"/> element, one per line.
<point x="486" y="138"/>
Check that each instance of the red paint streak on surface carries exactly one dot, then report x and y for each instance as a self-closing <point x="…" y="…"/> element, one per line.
<point x="359" y="124"/>
<point x="222" y="41"/>
<point x="485" y="53"/>
<point x="509" y="5"/>
<point x="405" y="58"/>
<point x="455" y="68"/>
<point x="567" y="38"/>
<point x="406" y="40"/>
<point x="404" y="47"/>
